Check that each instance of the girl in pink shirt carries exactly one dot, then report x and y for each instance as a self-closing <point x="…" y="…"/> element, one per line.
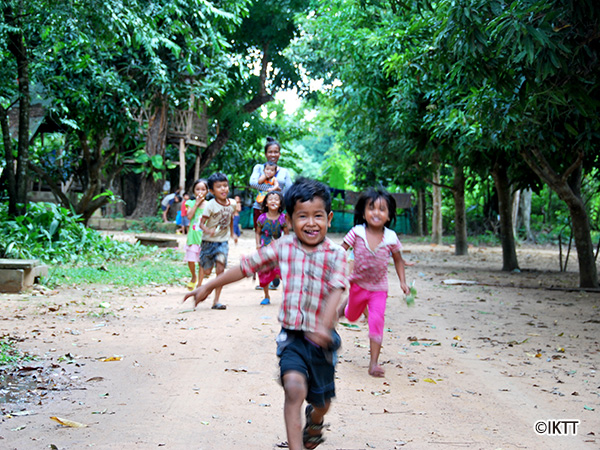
<point x="373" y="243"/>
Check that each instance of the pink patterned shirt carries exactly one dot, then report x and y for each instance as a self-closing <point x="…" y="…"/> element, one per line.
<point x="371" y="266"/>
<point x="308" y="276"/>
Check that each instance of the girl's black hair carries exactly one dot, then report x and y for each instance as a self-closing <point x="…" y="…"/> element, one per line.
<point x="264" y="207"/>
<point x="370" y="196"/>
<point x="271" y="141"/>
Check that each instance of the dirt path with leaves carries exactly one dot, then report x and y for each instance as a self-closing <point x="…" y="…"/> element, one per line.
<point x="469" y="366"/>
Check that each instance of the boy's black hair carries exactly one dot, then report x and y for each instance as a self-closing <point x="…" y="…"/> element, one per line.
<point x="370" y="196"/>
<point x="264" y="207"/>
<point x="305" y="190"/>
<point x="270" y="163"/>
<point x="216" y="177"/>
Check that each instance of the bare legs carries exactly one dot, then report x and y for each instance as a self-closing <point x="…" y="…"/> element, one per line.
<point x="294" y="386"/>
<point x="375" y="370"/>
<point x="219" y="268"/>
<point x="267" y="295"/>
<point x="196" y="279"/>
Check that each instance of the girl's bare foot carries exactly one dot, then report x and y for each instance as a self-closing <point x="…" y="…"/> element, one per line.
<point x="376" y="371"/>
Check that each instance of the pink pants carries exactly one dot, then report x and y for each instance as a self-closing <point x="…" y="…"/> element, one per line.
<point x="264" y="278"/>
<point x="358" y="300"/>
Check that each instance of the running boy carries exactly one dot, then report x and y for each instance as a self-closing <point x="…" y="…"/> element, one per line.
<point x="313" y="271"/>
<point x="217" y="226"/>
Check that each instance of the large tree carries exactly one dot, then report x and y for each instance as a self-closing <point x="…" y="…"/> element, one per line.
<point x="99" y="66"/>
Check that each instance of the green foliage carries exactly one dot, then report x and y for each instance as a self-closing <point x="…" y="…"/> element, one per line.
<point x="96" y="66"/>
<point x="54" y="235"/>
<point x="160" y="268"/>
<point x="338" y="171"/>
<point x="154" y="165"/>
<point x="10" y="354"/>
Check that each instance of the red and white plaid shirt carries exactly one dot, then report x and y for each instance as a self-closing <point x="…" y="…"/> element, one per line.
<point x="308" y="277"/>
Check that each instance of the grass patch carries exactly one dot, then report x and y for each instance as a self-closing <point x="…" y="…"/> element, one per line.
<point x="163" y="268"/>
<point x="10" y="354"/>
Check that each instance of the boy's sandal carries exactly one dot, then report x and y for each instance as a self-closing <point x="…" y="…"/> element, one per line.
<point x="312" y="439"/>
<point x="265" y="301"/>
<point x="191" y="286"/>
<point x="219" y="306"/>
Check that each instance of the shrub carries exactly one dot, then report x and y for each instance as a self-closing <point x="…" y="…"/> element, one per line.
<point x="54" y="235"/>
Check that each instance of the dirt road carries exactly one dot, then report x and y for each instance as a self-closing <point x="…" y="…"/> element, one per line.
<point x="469" y="366"/>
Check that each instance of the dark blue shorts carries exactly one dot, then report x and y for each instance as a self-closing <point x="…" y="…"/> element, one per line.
<point x="298" y="354"/>
<point x="212" y="253"/>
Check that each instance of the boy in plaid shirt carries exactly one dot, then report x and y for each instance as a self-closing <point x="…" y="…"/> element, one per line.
<point x="313" y="272"/>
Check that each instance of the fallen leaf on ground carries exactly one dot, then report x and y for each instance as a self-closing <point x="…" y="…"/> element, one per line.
<point x="112" y="358"/>
<point x="95" y="379"/>
<point x="453" y="282"/>
<point x="68" y="423"/>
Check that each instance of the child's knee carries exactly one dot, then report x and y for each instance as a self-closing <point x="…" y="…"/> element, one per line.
<point x="294" y="387"/>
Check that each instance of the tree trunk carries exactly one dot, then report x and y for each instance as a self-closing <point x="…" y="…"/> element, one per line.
<point x="436" y="216"/>
<point x="421" y="213"/>
<point x="213" y="149"/>
<point x="460" y="212"/>
<point x="156" y="141"/>
<point x="515" y="214"/>
<point x="16" y="46"/>
<point x="526" y="214"/>
<point x="509" y="252"/>
<point x="182" y="149"/>
<point x="261" y="98"/>
<point x="567" y="186"/>
<point x="9" y="170"/>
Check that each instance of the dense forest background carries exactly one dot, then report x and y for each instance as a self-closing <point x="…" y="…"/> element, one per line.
<point x="480" y="109"/>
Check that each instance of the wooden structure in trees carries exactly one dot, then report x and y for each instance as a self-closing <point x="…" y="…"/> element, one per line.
<point x="185" y="127"/>
<point x="183" y="124"/>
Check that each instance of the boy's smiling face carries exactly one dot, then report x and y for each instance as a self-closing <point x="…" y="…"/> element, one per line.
<point x="220" y="190"/>
<point x="310" y="221"/>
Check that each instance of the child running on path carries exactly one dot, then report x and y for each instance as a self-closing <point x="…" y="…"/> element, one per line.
<point x="270" y="226"/>
<point x="195" y="208"/>
<point x="217" y="225"/>
<point x="313" y="275"/>
<point x="373" y="244"/>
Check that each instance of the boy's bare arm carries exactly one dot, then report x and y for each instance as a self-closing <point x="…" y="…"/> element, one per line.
<point x="399" y="263"/>
<point x="204" y="228"/>
<point x="262" y="179"/>
<point x="322" y="335"/>
<point x="231" y="232"/>
<point x="230" y="276"/>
